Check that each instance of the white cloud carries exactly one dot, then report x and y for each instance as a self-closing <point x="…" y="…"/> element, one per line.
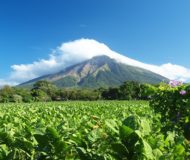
<point x="4" y="82"/>
<point x="82" y="49"/>
<point x="24" y="72"/>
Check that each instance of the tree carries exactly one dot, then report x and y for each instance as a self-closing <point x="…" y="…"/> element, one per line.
<point x="5" y="94"/>
<point x="24" y="93"/>
<point x="44" y="90"/>
<point x="16" y="98"/>
<point x="129" y="90"/>
<point x="147" y="91"/>
<point x="40" y="95"/>
<point x="111" y="94"/>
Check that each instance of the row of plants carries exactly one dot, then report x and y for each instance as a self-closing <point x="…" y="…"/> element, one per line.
<point x="87" y="130"/>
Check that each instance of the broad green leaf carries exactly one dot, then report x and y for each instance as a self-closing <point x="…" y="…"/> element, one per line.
<point x="111" y="124"/>
<point x="120" y="149"/>
<point x="157" y="153"/>
<point x="148" y="150"/>
<point x="145" y="126"/>
<point x="125" y="132"/>
<point x="179" y="149"/>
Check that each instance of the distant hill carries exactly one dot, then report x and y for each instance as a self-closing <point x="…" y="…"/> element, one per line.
<point x="100" y="71"/>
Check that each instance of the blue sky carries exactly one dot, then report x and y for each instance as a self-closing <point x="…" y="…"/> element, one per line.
<point x="151" y="31"/>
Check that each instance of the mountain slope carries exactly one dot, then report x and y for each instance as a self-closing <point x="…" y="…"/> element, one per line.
<point x="100" y="71"/>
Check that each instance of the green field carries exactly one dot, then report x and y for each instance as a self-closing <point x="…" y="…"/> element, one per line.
<point x="85" y="130"/>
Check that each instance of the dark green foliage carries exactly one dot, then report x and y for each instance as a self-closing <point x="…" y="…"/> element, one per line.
<point x="6" y="94"/>
<point x="43" y="91"/>
<point x="111" y="94"/>
<point x="129" y="90"/>
<point x="24" y="93"/>
<point x="74" y="94"/>
<point x="11" y="94"/>
<point x="174" y="106"/>
<point x="46" y="91"/>
<point x="40" y="95"/>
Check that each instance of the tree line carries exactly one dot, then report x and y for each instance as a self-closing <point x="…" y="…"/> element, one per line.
<point x="46" y="91"/>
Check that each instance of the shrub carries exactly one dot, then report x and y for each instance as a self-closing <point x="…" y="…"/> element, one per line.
<point x="173" y="102"/>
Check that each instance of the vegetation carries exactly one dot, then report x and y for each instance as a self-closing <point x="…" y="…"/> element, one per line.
<point x="173" y="101"/>
<point x="87" y="130"/>
<point x="129" y="90"/>
<point x="46" y="91"/>
<point x="96" y="129"/>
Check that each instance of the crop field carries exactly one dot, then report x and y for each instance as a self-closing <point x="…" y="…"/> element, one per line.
<point x="86" y="130"/>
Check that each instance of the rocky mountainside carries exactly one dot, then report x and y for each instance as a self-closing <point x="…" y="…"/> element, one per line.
<point x="100" y="71"/>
